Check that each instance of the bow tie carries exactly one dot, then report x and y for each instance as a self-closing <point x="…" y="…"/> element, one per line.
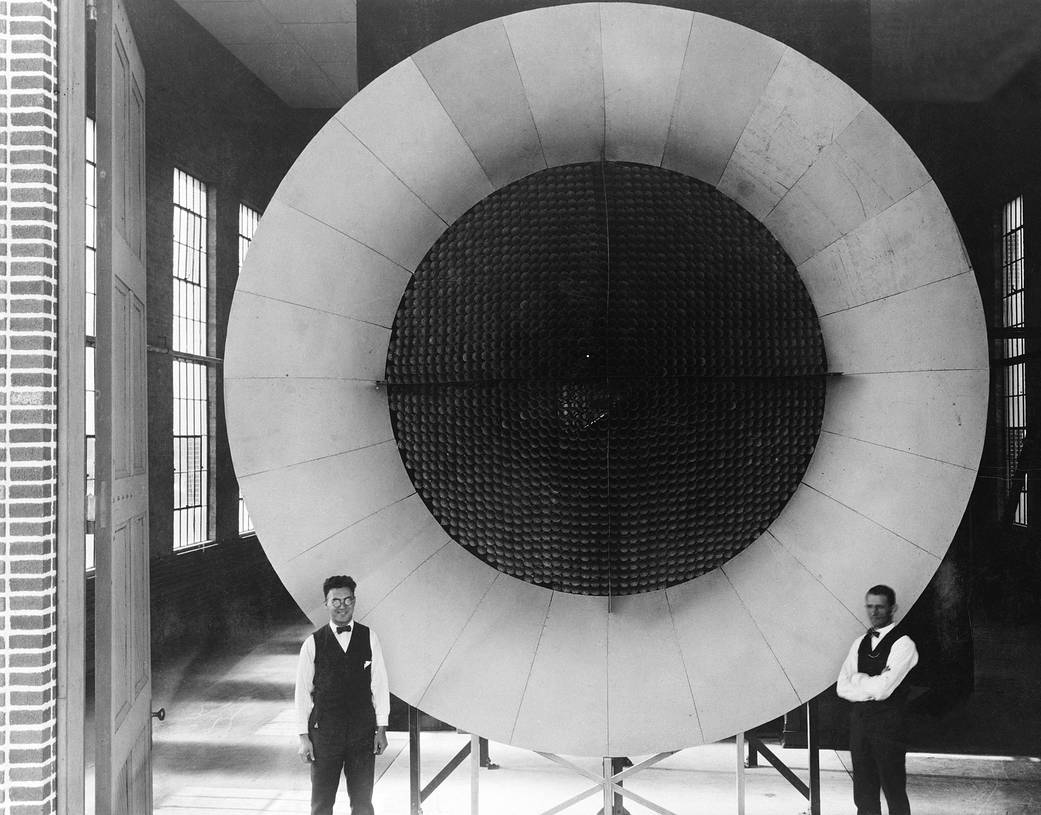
<point x="874" y="632"/>
<point x="341" y="628"/>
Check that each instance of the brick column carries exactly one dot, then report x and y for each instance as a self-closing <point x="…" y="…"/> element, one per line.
<point x="28" y="404"/>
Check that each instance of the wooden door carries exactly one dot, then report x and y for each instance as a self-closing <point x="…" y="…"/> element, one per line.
<point x="123" y="693"/>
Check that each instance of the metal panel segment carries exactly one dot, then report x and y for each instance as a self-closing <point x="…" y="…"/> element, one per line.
<point x="888" y="486"/>
<point x="910" y="244"/>
<point x="296" y="420"/>
<point x="643" y="52"/>
<point x="644" y="664"/>
<point x="567" y="103"/>
<point x="917" y="411"/>
<point x="310" y="501"/>
<point x="476" y="79"/>
<point x="565" y="700"/>
<point x="495" y="650"/>
<point x="416" y="639"/>
<point x="433" y="160"/>
<point x="825" y="535"/>
<point x="735" y="678"/>
<point x="936" y="327"/>
<point x="725" y="72"/>
<point x="309" y="343"/>
<point x="336" y="273"/>
<point x="802" y="110"/>
<point x="359" y="197"/>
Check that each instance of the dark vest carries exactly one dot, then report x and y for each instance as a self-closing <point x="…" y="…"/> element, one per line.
<point x="342" y="695"/>
<point x="874" y="662"/>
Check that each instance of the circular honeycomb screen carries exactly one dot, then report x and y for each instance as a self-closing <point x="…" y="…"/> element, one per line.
<point x="606" y="379"/>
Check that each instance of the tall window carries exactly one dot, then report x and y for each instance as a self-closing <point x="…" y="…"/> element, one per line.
<point x="191" y="371"/>
<point x="1012" y="264"/>
<point x="248" y="219"/>
<point x="90" y="319"/>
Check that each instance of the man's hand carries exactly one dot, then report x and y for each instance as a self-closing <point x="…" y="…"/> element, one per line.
<point x="379" y="742"/>
<point x="305" y="750"/>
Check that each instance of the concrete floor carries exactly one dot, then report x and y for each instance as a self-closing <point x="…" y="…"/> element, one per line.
<point x="228" y="746"/>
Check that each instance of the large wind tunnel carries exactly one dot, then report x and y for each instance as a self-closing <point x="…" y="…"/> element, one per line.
<point x="615" y="350"/>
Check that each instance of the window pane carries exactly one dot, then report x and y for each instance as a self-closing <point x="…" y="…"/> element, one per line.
<point x="89" y="318"/>
<point x="191" y="453"/>
<point x="248" y="220"/>
<point x="189" y="265"/>
<point x="245" y="522"/>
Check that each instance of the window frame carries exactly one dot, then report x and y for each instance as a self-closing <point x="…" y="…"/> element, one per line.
<point x="90" y="249"/>
<point x="248" y="219"/>
<point x="1012" y="309"/>
<point x="193" y="367"/>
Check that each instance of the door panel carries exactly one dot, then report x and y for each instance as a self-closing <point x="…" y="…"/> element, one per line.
<point x="141" y="658"/>
<point x="123" y="662"/>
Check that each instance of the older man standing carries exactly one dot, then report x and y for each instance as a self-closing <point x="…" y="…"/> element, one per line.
<point x="873" y="679"/>
<point x="342" y="703"/>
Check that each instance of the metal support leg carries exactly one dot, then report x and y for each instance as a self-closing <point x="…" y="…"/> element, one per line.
<point x="782" y="768"/>
<point x="486" y="759"/>
<point x="618" y="765"/>
<point x="739" y="740"/>
<point x="607" y="783"/>
<point x="753" y="755"/>
<point x="475" y="769"/>
<point x="608" y="792"/>
<point x="413" y="762"/>
<point x="813" y="747"/>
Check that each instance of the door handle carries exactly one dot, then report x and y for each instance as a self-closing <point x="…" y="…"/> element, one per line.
<point x="159" y="714"/>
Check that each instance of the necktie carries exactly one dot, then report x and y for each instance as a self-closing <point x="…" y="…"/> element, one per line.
<point x="341" y="628"/>
<point x="874" y="632"/>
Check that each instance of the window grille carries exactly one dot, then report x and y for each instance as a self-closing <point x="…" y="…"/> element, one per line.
<point x="248" y="219"/>
<point x="189" y="266"/>
<point x="191" y="373"/>
<point x="191" y="453"/>
<point x="90" y="322"/>
<point x="1012" y="313"/>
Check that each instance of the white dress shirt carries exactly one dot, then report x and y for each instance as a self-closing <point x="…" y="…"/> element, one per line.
<point x="859" y="687"/>
<point x="305" y="678"/>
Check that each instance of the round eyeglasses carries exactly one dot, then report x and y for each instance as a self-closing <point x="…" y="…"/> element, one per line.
<point x="338" y="602"/>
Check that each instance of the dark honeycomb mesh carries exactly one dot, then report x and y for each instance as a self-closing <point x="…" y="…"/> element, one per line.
<point x="606" y="379"/>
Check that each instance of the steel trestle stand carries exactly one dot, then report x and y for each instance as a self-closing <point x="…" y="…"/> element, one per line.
<point x="811" y="791"/>
<point x="418" y="793"/>
<point x="609" y="784"/>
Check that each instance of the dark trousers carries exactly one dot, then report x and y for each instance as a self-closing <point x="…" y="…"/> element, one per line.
<point x="878" y="747"/>
<point x="339" y="752"/>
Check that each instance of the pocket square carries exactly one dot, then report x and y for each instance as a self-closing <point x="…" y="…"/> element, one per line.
<point x="368" y="662"/>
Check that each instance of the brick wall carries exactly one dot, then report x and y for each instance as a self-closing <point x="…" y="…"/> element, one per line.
<point x="28" y="404"/>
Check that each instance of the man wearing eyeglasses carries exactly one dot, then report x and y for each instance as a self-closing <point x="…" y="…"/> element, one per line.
<point x="873" y="678"/>
<point x="342" y="703"/>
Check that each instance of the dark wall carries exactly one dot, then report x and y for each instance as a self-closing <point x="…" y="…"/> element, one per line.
<point x="982" y="155"/>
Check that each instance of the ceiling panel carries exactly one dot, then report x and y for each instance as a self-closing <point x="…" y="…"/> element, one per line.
<point x="305" y="51"/>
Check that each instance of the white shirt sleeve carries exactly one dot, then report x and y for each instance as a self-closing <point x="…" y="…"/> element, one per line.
<point x="846" y="688"/>
<point x="378" y="681"/>
<point x="304" y="685"/>
<point x="859" y="687"/>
